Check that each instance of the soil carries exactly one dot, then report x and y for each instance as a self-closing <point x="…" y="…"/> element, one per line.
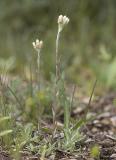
<point x="101" y="131"/>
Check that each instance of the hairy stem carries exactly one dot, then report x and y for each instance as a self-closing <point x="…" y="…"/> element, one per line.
<point x="31" y="81"/>
<point x="57" y="57"/>
<point x="56" y="81"/>
<point x="38" y="70"/>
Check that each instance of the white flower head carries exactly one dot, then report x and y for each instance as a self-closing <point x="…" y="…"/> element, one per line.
<point x="37" y="45"/>
<point x="62" y="21"/>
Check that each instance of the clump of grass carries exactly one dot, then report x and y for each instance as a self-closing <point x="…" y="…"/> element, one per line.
<point x="95" y="152"/>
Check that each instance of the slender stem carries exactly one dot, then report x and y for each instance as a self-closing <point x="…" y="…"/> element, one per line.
<point x="38" y="71"/>
<point x="56" y="80"/>
<point x="17" y="99"/>
<point x="57" y="67"/>
<point x="88" y="105"/>
<point x="57" y="56"/>
<point x="93" y="89"/>
<point x="31" y="81"/>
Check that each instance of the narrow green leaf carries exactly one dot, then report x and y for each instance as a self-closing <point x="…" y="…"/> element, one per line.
<point x="79" y="124"/>
<point x="4" y="119"/>
<point x="6" y="132"/>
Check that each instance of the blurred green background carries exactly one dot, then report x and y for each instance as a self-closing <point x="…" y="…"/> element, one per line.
<point x="87" y="45"/>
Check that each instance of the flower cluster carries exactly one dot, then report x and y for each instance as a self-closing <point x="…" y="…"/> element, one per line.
<point x="62" y="21"/>
<point x="37" y="45"/>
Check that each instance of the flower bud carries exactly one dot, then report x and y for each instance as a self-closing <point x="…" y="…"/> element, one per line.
<point x="37" y="45"/>
<point x="62" y="21"/>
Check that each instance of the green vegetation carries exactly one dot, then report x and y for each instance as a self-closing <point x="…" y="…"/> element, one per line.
<point x="95" y="152"/>
<point x="22" y="109"/>
<point x="36" y="98"/>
